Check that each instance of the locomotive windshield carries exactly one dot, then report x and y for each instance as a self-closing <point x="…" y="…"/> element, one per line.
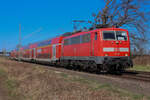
<point x="121" y="35"/>
<point x="109" y="35"/>
<point x="114" y="35"/>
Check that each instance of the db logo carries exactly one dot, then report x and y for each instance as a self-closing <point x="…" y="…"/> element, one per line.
<point x="117" y="54"/>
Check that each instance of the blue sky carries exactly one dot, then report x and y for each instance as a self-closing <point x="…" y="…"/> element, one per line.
<point x="48" y="18"/>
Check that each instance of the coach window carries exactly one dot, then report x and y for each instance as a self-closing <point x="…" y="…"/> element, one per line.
<point x="95" y="35"/>
<point x="86" y="38"/>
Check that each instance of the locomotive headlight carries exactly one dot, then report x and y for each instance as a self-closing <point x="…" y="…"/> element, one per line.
<point x="126" y="54"/>
<point x="106" y="54"/>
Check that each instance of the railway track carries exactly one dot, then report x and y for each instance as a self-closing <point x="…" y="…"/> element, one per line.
<point x="138" y="72"/>
<point x="134" y="75"/>
<point x="128" y="74"/>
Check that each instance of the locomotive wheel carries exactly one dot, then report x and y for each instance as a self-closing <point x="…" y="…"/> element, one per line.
<point x="92" y="67"/>
<point x="99" y="69"/>
<point x="105" y="68"/>
<point x="74" y="65"/>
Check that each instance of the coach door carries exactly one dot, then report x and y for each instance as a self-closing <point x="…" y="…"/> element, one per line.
<point x="54" y="52"/>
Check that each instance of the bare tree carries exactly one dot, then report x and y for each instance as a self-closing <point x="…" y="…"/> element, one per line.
<point x="133" y="15"/>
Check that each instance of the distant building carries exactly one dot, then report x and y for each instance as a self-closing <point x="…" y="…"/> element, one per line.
<point x="4" y="53"/>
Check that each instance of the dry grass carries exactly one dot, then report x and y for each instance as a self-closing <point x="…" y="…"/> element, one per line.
<point x="141" y="60"/>
<point x="34" y="82"/>
<point x="141" y="63"/>
<point x="141" y="68"/>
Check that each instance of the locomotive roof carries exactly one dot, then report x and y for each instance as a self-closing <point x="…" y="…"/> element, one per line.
<point x="70" y="34"/>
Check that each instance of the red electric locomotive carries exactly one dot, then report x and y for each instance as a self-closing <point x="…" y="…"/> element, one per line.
<point x="101" y="49"/>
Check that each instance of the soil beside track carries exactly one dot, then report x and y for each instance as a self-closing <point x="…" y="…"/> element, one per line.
<point x="40" y="82"/>
<point x="3" y="92"/>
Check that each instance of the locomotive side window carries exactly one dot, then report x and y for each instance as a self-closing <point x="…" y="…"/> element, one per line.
<point x="121" y="35"/>
<point x="66" y="42"/>
<point x="95" y="35"/>
<point x="109" y="35"/>
<point x="86" y="38"/>
<point x="75" y="40"/>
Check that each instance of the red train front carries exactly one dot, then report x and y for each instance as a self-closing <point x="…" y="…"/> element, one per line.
<point x="101" y="49"/>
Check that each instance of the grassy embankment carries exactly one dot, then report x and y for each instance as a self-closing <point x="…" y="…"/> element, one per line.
<point x="141" y="68"/>
<point x="141" y="63"/>
<point x="32" y="82"/>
